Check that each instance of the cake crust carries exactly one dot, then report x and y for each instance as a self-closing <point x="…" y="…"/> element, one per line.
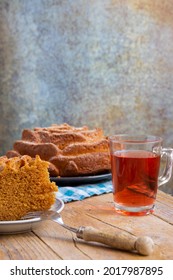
<point x="70" y="151"/>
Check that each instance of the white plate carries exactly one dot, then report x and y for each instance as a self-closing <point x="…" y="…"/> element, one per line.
<point x="12" y="227"/>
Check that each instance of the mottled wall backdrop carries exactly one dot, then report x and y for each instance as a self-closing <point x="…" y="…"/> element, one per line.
<point x="105" y="63"/>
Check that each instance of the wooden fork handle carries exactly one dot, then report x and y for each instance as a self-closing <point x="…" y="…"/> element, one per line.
<point x="123" y="241"/>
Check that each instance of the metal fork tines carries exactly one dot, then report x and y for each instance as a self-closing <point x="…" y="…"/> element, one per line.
<point x="49" y="215"/>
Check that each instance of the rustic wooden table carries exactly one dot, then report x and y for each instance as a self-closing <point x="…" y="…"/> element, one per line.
<point x="50" y="241"/>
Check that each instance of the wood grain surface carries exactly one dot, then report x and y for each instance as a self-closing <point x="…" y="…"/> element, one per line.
<point x="50" y="241"/>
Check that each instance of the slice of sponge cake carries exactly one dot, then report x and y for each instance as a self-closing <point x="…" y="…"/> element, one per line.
<point x="24" y="186"/>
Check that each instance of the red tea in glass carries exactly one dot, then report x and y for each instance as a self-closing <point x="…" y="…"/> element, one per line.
<point x="135" y="177"/>
<point x="135" y="164"/>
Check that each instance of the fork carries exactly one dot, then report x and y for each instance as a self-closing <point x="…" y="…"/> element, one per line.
<point x="123" y="241"/>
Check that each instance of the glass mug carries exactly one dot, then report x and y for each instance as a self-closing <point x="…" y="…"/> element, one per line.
<point x="135" y="165"/>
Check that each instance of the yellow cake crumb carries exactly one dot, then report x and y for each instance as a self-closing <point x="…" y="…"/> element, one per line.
<point x="24" y="186"/>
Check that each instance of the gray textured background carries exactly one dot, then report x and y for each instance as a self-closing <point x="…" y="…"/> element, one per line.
<point x="100" y="63"/>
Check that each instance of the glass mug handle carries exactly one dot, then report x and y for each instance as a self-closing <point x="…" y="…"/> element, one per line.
<point x="167" y="172"/>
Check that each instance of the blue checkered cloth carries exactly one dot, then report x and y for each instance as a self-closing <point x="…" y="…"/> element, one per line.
<point x="81" y="192"/>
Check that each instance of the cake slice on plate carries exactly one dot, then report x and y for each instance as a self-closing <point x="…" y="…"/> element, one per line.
<point x="24" y="186"/>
